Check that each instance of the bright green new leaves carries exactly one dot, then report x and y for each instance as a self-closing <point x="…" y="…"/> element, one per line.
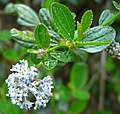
<point x="80" y="34"/>
<point x="26" y="15"/>
<point x="105" y="16"/>
<point x="86" y="22"/>
<point x="79" y="75"/>
<point x="66" y="56"/>
<point x="32" y="51"/>
<point x="24" y="38"/>
<point x="46" y="19"/>
<point x="117" y="6"/>
<point x="99" y="35"/>
<point x="63" y="20"/>
<point x="42" y="36"/>
<point x="49" y="2"/>
<point x="49" y="63"/>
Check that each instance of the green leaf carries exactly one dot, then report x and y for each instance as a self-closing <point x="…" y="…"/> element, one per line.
<point x="116" y="5"/>
<point x="49" y="2"/>
<point x="26" y="15"/>
<point x="77" y="107"/>
<point x="50" y="63"/>
<point x="81" y="94"/>
<point x="34" y="58"/>
<point x="79" y="75"/>
<point x="80" y="34"/>
<point x="42" y="36"/>
<point x="98" y="34"/>
<point x="25" y="43"/>
<point x="80" y="55"/>
<point x="14" y="54"/>
<point x="73" y="14"/>
<point x="23" y="35"/>
<point x="46" y="19"/>
<point x="24" y="38"/>
<point x="86" y="20"/>
<point x="54" y="38"/>
<point x="63" y="20"/>
<point x="105" y="16"/>
<point x="9" y="8"/>
<point x="66" y="56"/>
<point x="5" y="35"/>
<point x="11" y="54"/>
<point x="32" y="51"/>
<point x="6" y="106"/>
<point x="64" y="93"/>
<point x="105" y="111"/>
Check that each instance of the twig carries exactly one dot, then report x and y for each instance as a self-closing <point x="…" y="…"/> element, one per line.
<point x="102" y="81"/>
<point x="92" y="81"/>
<point x="2" y="13"/>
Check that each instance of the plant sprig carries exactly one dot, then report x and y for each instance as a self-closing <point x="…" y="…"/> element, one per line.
<point x="54" y="38"/>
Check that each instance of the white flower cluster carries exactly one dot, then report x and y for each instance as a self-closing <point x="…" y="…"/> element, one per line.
<point x="23" y="83"/>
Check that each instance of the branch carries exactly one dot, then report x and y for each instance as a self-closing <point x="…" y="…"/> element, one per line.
<point x="102" y="81"/>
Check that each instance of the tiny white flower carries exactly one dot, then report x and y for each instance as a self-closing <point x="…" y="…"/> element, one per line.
<point x="23" y="81"/>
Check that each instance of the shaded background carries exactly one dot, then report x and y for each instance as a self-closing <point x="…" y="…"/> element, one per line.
<point x="96" y="77"/>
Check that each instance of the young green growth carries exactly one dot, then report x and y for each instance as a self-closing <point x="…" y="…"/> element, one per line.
<point x="42" y="36"/>
<point x="63" y="20"/>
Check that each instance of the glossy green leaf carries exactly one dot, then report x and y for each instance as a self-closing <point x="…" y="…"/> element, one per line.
<point x="116" y="5"/>
<point x="80" y="34"/>
<point x="73" y="14"/>
<point x="46" y="19"/>
<point x="77" y="107"/>
<point x="105" y="16"/>
<point x="63" y="20"/>
<point x="49" y="63"/>
<point x="5" y="35"/>
<point x="66" y="56"/>
<point x="86" y="20"/>
<point x="49" y="2"/>
<point x="42" y="36"/>
<point x="81" y="94"/>
<point x="26" y="15"/>
<point x="98" y="34"/>
<point x="79" y="75"/>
